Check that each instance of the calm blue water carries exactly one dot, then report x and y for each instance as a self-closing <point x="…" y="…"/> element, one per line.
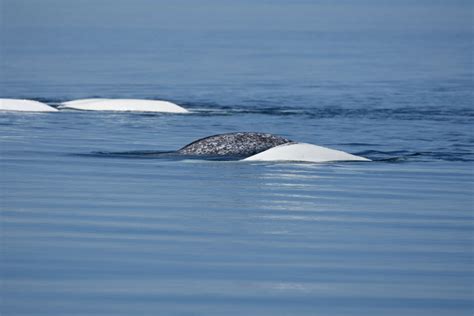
<point x="88" y="234"/>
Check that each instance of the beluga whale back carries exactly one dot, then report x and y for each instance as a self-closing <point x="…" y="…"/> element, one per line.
<point x="21" y="105"/>
<point x="125" y="105"/>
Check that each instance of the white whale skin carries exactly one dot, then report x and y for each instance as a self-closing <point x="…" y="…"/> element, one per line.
<point x="303" y="152"/>
<point x="138" y="105"/>
<point x="21" y="105"/>
<point x="80" y="101"/>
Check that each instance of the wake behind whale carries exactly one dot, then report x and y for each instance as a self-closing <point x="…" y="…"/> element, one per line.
<point x="248" y="146"/>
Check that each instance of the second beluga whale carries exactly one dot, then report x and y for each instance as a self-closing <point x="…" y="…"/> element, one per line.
<point x="123" y="105"/>
<point x="249" y="146"/>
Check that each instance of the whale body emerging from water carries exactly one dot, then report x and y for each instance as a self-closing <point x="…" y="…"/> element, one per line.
<point x="137" y="105"/>
<point x="303" y="152"/>
<point x="21" y="105"/>
<point x="264" y="147"/>
<point x="233" y="144"/>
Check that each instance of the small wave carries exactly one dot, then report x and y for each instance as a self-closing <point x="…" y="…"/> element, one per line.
<point x="412" y="156"/>
<point x="359" y="144"/>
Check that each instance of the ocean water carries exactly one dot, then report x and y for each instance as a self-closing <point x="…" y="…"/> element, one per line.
<point x="85" y="233"/>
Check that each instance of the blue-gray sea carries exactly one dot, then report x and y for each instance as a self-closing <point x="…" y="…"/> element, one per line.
<point x="88" y="233"/>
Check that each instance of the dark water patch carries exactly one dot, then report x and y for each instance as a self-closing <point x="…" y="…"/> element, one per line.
<point x="141" y="154"/>
<point x="152" y="154"/>
<point x="401" y="113"/>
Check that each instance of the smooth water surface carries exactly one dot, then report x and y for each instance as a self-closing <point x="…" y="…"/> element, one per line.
<point x="84" y="233"/>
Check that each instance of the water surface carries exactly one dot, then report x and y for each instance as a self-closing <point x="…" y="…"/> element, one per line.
<point x="102" y="234"/>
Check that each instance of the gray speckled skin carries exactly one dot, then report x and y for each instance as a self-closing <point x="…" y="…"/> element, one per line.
<point x="233" y="144"/>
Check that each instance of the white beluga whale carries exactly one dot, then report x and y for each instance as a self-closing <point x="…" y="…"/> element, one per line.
<point x="128" y="105"/>
<point x="21" y="105"/>
<point x="80" y="101"/>
<point x="248" y="146"/>
<point x="305" y="153"/>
